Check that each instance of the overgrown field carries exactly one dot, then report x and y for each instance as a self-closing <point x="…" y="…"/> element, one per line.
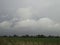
<point x="29" y="41"/>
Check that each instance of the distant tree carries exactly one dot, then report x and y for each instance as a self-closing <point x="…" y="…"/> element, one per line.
<point x="38" y="36"/>
<point x="41" y="36"/>
<point x="5" y="36"/>
<point x="25" y="36"/>
<point x="32" y="36"/>
<point x="10" y="36"/>
<point x="57" y="36"/>
<point x="50" y="36"/>
<point x="15" y="36"/>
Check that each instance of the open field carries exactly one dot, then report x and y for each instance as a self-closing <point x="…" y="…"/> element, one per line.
<point x="29" y="41"/>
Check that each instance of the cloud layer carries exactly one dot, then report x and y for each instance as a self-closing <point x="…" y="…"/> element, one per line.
<point x="29" y="17"/>
<point x="41" y="26"/>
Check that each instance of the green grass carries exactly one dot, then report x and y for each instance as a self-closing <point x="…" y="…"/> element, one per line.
<point x="29" y="41"/>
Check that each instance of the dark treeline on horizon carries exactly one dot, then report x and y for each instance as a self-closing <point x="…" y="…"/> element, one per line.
<point x="36" y="36"/>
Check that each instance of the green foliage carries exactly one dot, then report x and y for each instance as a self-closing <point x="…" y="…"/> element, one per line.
<point x="29" y="41"/>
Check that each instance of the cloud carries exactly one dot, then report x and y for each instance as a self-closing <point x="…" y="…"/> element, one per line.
<point x="25" y="23"/>
<point x="30" y="26"/>
<point x="5" y="25"/>
<point x="25" y="16"/>
<point x="42" y="22"/>
<point x="42" y="26"/>
<point x="24" y="13"/>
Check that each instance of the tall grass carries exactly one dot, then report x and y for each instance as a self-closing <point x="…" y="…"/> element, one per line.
<point x="29" y="41"/>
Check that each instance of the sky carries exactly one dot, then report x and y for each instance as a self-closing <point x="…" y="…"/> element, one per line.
<point x="31" y="17"/>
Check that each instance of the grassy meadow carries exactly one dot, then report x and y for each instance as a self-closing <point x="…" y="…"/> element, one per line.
<point x="29" y="41"/>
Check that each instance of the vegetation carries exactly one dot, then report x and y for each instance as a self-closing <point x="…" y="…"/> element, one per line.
<point x="30" y="40"/>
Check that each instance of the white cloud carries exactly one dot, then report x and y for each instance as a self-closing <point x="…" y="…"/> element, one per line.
<point x="45" y="22"/>
<point x="29" y="25"/>
<point x="5" y="25"/>
<point x="42" y="22"/>
<point x="25" y="23"/>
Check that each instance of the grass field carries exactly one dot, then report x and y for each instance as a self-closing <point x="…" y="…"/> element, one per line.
<point x="29" y="41"/>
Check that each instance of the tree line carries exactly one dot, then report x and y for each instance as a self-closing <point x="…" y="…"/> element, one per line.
<point x="36" y="36"/>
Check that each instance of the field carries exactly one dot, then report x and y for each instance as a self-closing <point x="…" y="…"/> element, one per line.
<point x="29" y="41"/>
